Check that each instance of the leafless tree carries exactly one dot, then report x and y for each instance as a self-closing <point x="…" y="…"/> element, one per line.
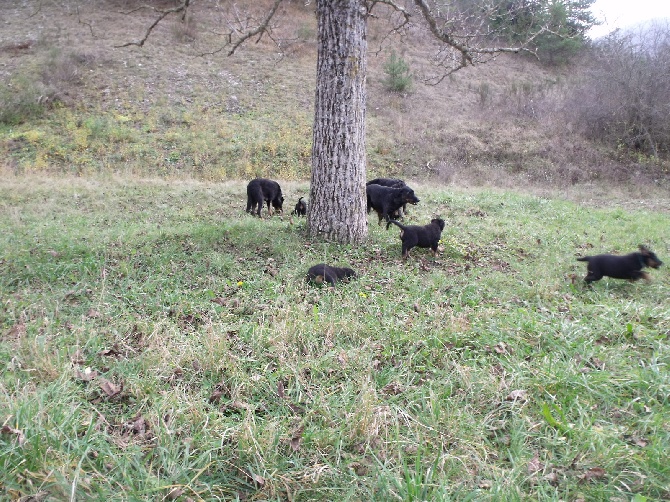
<point x="623" y="97"/>
<point x="459" y="30"/>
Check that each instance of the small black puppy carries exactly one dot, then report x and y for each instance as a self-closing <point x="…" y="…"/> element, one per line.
<point x="300" y="208"/>
<point x="387" y="200"/>
<point x="620" y="267"/>
<point x="322" y="272"/>
<point x="261" y="190"/>
<point x="427" y="236"/>
<point x="394" y="183"/>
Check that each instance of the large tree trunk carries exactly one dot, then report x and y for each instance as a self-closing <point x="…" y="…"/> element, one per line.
<point x="337" y="209"/>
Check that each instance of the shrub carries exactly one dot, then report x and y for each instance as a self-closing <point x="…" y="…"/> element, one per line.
<point x="399" y="78"/>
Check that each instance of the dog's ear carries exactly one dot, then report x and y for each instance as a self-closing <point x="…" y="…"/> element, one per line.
<point x="644" y="250"/>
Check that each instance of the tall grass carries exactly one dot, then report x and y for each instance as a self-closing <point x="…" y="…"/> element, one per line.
<point x="159" y="343"/>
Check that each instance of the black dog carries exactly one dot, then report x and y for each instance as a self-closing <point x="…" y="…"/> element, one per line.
<point x="322" y="272"/>
<point x="620" y="267"/>
<point x="300" y="208"/>
<point x="262" y="190"/>
<point x="387" y="200"/>
<point x="394" y="183"/>
<point x="427" y="236"/>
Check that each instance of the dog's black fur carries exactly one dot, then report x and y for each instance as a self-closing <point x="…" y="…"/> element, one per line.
<point x="388" y="182"/>
<point x="300" y="208"/>
<point x="427" y="236"/>
<point x="322" y="272"/>
<point x="620" y="267"/>
<point x="261" y="190"/>
<point x="394" y="183"/>
<point x="387" y="200"/>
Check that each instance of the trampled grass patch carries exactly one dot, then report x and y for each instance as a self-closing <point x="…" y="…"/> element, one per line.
<point x="159" y="343"/>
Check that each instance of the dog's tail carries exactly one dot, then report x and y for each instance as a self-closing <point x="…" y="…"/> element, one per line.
<point x="388" y="224"/>
<point x="584" y="258"/>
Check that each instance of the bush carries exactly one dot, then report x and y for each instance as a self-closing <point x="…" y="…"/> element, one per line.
<point x="623" y="96"/>
<point x="399" y="78"/>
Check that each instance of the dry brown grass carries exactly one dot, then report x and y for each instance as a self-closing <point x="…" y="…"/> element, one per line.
<point x="500" y="123"/>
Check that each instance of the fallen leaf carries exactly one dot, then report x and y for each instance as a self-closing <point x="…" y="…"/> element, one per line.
<point x="109" y="388"/>
<point x="175" y="493"/>
<point x="517" y="395"/>
<point x="593" y="473"/>
<point x="215" y="397"/>
<point x="392" y="388"/>
<point x="295" y="440"/>
<point x="552" y="478"/>
<point x="93" y="314"/>
<point x="77" y="357"/>
<point x="280" y="389"/>
<point x="640" y="442"/>
<point x="258" y="479"/>
<point x="535" y="465"/>
<point x="87" y="375"/>
<point x="219" y="301"/>
<point x="6" y="429"/>
<point x="485" y="484"/>
<point x="16" y="331"/>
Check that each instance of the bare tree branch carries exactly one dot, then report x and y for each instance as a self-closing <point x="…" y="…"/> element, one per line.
<point x="163" y="14"/>
<point x="259" y="30"/>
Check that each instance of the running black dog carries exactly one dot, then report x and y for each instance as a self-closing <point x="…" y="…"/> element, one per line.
<point x="300" y="208"/>
<point x="262" y="190"/>
<point x="427" y="236"/>
<point x="387" y="200"/>
<point x="620" y="267"/>
<point x="394" y="183"/>
<point x="322" y="272"/>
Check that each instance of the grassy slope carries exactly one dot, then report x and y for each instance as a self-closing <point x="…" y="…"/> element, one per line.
<point x="156" y="338"/>
<point x="171" y="108"/>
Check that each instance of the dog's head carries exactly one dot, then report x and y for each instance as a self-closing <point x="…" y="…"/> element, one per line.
<point x="650" y="259"/>
<point x="278" y="202"/>
<point x="408" y="196"/>
<point x="439" y="222"/>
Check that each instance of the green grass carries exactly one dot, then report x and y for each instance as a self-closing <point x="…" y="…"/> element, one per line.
<point x="158" y="343"/>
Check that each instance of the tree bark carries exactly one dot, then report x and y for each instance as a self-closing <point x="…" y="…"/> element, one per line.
<point x="337" y="209"/>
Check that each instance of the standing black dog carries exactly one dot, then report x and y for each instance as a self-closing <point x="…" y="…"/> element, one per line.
<point x="427" y="236"/>
<point x="300" y="208"/>
<point x="620" y="267"/>
<point x="262" y="190"/>
<point x="395" y="183"/>
<point x="322" y="272"/>
<point x="387" y="200"/>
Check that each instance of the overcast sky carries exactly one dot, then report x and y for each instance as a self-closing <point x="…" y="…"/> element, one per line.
<point x="626" y="13"/>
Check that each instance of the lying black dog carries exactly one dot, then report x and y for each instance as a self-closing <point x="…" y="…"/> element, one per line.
<point x="322" y="272"/>
<point x="427" y="236"/>
<point x="300" y="208"/>
<point x="620" y="267"/>
<point x="262" y="190"/>
<point x="394" y="183"/>
<point x="387" y="200"/>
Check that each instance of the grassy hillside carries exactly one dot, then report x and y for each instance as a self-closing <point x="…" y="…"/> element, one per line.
<point x="158" y="343"/>
<point x="178" y="106"/>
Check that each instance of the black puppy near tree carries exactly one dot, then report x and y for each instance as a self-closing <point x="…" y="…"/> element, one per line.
<point x="262" y="190"/>
<point x="300" y="208"/>
<point x="394" y="183"/>
<point x="387" y="200"/>
<point x="427" y="236"/>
